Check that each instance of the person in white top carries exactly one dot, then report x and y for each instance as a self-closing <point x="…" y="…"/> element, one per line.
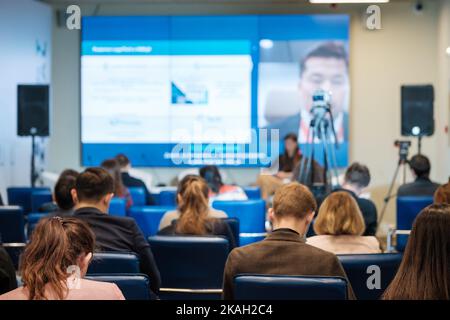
<point x="55" y="262"/>
<point x="217" y="189"/>
<point x="339" y="227"/>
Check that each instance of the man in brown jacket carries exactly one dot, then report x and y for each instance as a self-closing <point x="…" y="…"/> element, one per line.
<point x="284" y="251"/>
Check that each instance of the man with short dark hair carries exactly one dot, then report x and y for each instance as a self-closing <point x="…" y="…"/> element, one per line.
<point x="357" y="178"/>
<point x="323" y="68"/>
<point x="130" y="181"/>
<point x="284" y="251"/>
<point x="422" y="186"/>
<point x="93" y="192"/>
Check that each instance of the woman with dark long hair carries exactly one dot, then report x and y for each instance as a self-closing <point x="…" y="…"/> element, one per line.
<point x="219" y="190"/>
<point x="286" y="168"/>
<point x="194" y="212"/>
<point x="424" y="273"/>
<point x="55" y="261"/>
<point x="120" y="191"/>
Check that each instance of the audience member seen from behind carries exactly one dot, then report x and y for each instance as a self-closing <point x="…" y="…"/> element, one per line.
<point x="424" y="273"/>
<point x="8" y="279"/>
<point x="57" y="245"/>
<point x="339" y="227"/>
<point x="217" y="189"/>
<point x="120" y="191"/>
<point x="194" y="212"/>
<point x="62" y="204"/>
<point x="356" y="179"/>
<point x="129" y="181"/>
<point x="422" y="186"/>
<point x="284" y="251"/>
<point x="170" y="216"/>
<point x="93" y="193"/>
<point x="442" y="194"/>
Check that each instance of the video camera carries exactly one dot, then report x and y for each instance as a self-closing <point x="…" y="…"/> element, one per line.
<point x="321" y="105"/>
<point x="403" y="146"/>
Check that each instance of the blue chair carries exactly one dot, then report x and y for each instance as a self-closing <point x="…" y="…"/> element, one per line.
<point x="39" y="197"/>
<point x="118" y="207"/>
<point x="167" y="198"/>
<point x="191" y="267"/>
<point x="251" y="215"/>
<point x="252" y="192"/>
<point x="12" y="231"/>
<point x="356" y="267"/>
<point x="114" y="262"/>
<point x="281" y="287"/>
<point x="21" y="196"/>
<point x="233" y="223"/>
<point x="138" y="196"/>
<point x="148" y="218"/>
<point x="407" y="210"/>
<point x="12" y="225"/>
<point x="133" y="286"/>
<point x="32" y="221"/>
<point x="156" y="198"/>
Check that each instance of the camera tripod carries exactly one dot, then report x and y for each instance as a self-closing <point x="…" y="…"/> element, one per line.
<point x="321" y="128"/>
<point x="402" y="162"/>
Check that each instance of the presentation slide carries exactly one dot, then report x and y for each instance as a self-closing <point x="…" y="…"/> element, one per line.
<point x="190" y="91"/>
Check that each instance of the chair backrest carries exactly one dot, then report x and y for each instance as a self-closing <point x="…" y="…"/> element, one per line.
<point x="251" y="215"/>
<point x="21" y="196"/>
<point x="118" y="207"/>
<point x="32" y="221"/>
<point x="138" y="195"/>
<point x="167" y="198"/>
<point x="12" y="224"/>
<point x="407" y="210"/>
<point x="281" y="287"/>
<point x="133" y="286"/>
<point x="114" y="262"/>
<point x="190" y="262"/>
<point x="155" y="197"/>
<point x="252" y="192"/>
<point x="38" y="198"/>
<point x="365" y="270"/>
<point x="233" y="223"/>
<point x="148" y="218"/>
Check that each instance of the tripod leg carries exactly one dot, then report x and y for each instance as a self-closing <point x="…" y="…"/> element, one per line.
<point x="332" y="152"/>
<point x="310" y="159"/>
<point x="305" y="160"/>
<point x="389" y="195"/>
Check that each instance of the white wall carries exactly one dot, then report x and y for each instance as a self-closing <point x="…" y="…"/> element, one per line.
<point x="410" y="49"/>
<point x="24" y="25"/>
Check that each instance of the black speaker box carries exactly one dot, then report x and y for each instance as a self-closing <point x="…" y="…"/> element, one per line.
<point x="417" y="110"/>
<point x="33" y="110"/>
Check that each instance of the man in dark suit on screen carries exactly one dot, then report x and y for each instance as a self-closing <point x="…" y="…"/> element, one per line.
<point x="324" y="68"/>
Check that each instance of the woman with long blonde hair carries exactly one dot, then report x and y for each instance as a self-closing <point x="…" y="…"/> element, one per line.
<point x="194" y="214"/>
<point x="339" y="227"/>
